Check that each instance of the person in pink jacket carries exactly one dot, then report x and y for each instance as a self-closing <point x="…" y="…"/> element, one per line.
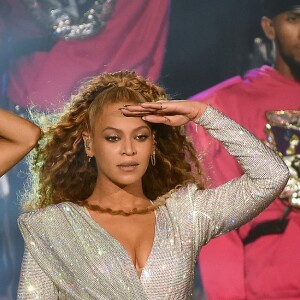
<point x="251" y="263"/>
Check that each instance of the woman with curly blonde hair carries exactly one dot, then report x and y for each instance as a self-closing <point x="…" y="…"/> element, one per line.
<point x="65" y="153"/>
<point x="121" y="211"/>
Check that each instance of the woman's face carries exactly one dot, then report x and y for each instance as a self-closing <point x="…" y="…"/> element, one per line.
<point x="121" y="146"/>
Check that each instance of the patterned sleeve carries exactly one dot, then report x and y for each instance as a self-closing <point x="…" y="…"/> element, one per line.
<point x="34" y="283"/>
<point x="236" y="202"/>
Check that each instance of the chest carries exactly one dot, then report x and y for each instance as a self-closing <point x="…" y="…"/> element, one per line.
<point x="99" y="263"/>
<point x="135" y="233"/>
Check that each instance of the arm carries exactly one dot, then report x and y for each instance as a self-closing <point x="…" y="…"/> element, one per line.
<point x="238" y="201"/>
<point x="34" y="283"/>
<point x="222" y="260"/>
<point x="17" y="137"/>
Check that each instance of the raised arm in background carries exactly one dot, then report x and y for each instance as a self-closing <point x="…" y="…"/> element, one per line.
<point x="17" y="137"/>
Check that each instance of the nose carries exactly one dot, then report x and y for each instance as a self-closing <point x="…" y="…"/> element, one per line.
<point x="128" y="147"/>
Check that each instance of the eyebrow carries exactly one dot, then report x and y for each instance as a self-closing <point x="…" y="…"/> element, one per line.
<point x="119" y="130"/>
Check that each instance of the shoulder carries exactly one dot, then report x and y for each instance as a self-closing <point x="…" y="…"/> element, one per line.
<point x="236" y="96"/>
<point x="235" y="88"/>
<point x="183" y="195"/>
<point x="52" y="222"/>
<point x="182" y="205"/>
<point x="186" y="189"/>
<point x="45" y="215"/>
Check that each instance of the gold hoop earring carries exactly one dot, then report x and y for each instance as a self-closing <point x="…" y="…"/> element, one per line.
<point x="87" y="144"/>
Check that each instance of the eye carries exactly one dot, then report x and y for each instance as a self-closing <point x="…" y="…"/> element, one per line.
<point x="112" y="138"/>
<point x="293" y="19"/>
<point x="142" y="137"/>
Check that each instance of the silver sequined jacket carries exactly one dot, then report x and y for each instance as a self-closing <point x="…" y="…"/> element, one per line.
<point x="69" y="256"/>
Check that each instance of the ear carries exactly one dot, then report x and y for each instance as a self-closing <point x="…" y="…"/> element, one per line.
<point x="88" y="144"/>
<point x="268" y="28"/>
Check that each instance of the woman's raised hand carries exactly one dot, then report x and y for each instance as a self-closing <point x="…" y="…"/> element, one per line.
<point x="173" y="113"/>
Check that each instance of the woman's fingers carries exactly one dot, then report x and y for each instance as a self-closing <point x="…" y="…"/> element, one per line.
<point x="167" y="106"/>
<point x="175" y="112"/>
<point x="159" y="119"/>
<point x="136" y="108"/>
<point x="162" y="107"/>
<point x="167" y="120"/>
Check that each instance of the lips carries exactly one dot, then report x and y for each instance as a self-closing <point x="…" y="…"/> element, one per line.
<point x="128" y="166"/>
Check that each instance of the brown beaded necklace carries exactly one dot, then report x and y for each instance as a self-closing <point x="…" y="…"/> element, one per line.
<point x="160" y="201"/>
<point x="135" y="211"/>
<point x="119" y="212"/>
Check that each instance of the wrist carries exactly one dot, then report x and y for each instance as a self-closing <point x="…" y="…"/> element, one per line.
<point x="201" y="108"/>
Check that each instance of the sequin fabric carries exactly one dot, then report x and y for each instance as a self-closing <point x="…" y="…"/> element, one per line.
<point x="69" y="256"/>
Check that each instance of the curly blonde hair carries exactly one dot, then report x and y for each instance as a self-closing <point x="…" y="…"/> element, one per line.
<point x="59" y="166"/>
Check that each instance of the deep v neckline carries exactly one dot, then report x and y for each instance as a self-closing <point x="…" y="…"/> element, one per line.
<point x="98" y="226"/>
